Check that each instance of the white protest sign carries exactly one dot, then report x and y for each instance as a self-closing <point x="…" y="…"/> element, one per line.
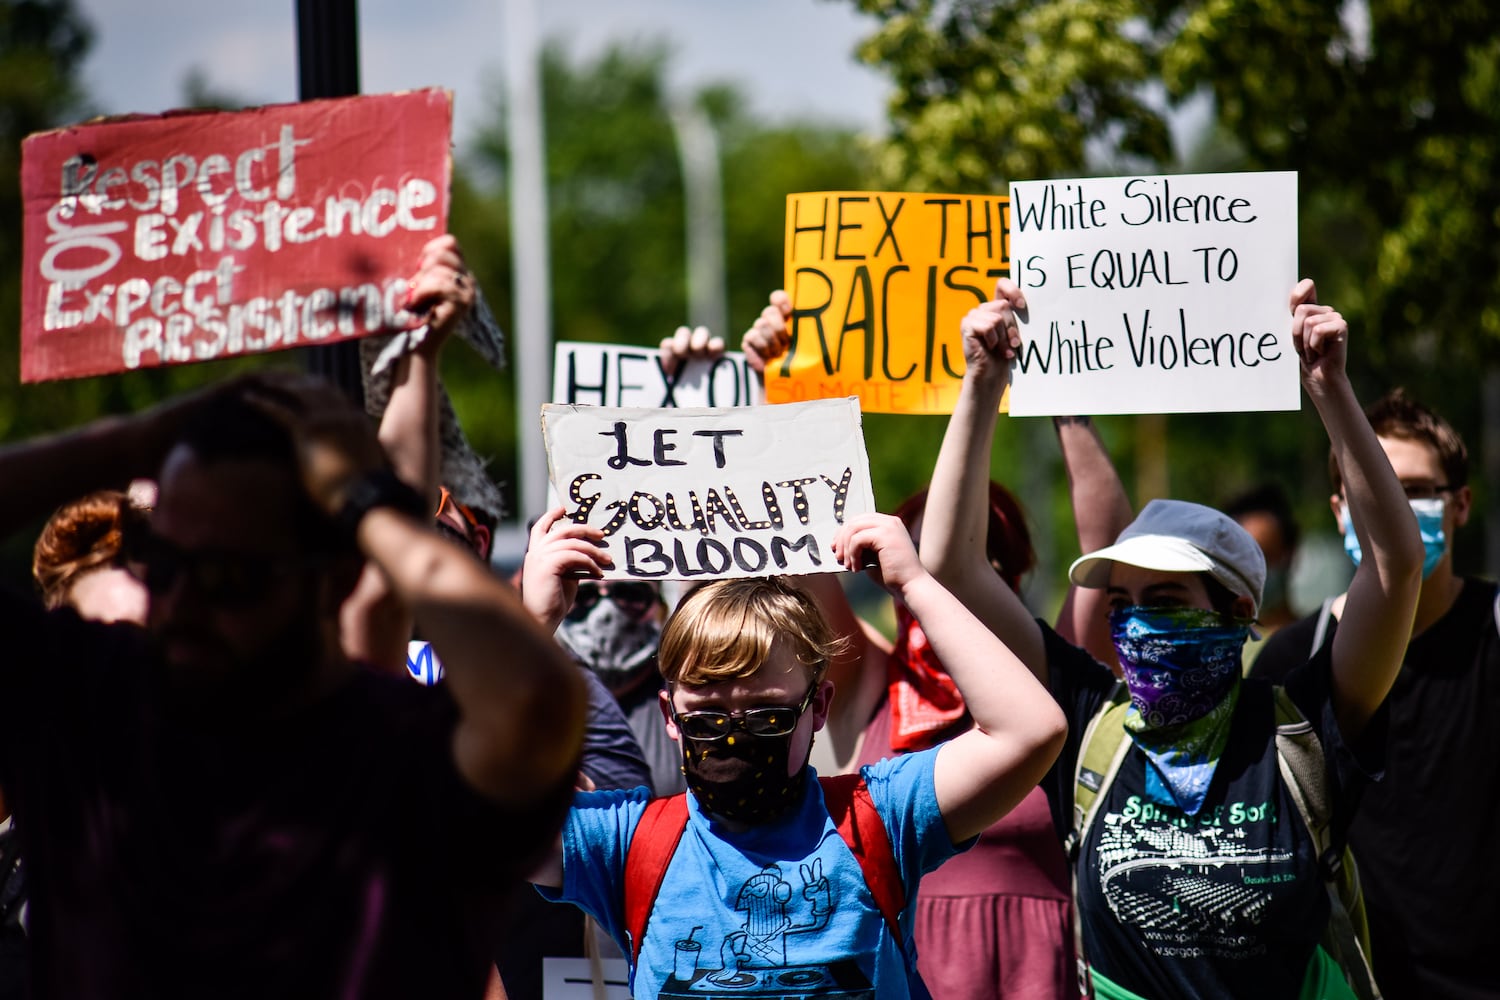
<point x="573" y="979"/>
<point x="1155" y="294"/>
<point x="706" y="493"/>
<point x="619" y="375"/>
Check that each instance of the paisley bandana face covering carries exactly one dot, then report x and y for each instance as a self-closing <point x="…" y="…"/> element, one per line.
<point x="1182" y="666"/>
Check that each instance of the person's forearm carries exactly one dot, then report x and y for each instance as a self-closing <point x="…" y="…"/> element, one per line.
<point x="376" y="624"/>
<point x="1018" y="731"/>
<point x="956" y="519"/>
<point x="1101" y="510"/>
<point x="42" y="474"/>
<point x="522" y="702"/>
<point x="955" y="523"/>
<point x="1000" y="693"/>
<point x="1375" y="625"/>
<point x="409" y="426"/>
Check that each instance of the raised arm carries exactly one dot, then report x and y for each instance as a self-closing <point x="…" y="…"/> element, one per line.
<point x="1018" y="728"/>
<point x="374" y="624"/>
<point x="43" y="473"/>
<point x="1376" y="624"/>
<point x="1101" y="510"/>
<point x="521" y="702"/>
<point x="956" y="519"/>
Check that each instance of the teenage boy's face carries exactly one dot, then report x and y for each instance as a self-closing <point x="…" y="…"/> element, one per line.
<point x="781" y="682"/>
<point x="1420" y="470"/>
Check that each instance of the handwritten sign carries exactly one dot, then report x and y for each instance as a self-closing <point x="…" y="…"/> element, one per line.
<point x="879" y="284"/>
<point x="189" y="236"/>
<point x="618" y="375"/>
<point x="573" y="979"/>
<point x="703" y="493"/>
<point x="1156" y="294"/>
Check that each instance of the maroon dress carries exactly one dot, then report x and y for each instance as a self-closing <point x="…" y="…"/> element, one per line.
<point x="995" y="921"/>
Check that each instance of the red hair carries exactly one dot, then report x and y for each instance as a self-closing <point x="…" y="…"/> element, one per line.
<point x="1007" y="541"/>
<point x="83" y="535"/>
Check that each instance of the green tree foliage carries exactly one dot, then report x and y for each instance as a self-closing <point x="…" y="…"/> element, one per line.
<point x="42" y="46"/>
<point x="1388" y="110"/>
<point x="615" y="201"/>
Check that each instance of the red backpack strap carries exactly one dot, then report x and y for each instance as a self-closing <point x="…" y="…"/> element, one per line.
<point x="651" y="849"/>
<point x="847" y="798"/>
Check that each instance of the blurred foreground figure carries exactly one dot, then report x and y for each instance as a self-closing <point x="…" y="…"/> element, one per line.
<point x="226" y="804"/>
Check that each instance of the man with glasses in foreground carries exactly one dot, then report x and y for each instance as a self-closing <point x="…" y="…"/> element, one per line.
<point x="1421" y="835"/>
<point x="223" y="803"/>
<point x="758" y="880"/>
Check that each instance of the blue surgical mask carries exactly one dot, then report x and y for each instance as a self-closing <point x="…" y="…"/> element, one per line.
<point x="1429" y="514"/>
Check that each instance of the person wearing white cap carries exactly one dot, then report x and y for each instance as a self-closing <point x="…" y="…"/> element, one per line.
<point x="1195" y="875"/>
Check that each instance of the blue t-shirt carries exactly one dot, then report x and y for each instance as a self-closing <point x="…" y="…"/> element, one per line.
<point x="781" y="907"/>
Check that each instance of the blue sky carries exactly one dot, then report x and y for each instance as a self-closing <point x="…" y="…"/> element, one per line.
<point x="792" y="57"/>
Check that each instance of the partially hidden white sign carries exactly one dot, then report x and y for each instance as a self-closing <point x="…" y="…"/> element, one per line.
<point x="621" y="375"/>
<point x="1155" y="294"/>
<point x="700" y="493"/>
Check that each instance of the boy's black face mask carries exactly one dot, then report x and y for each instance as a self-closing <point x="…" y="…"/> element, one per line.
<point x="743" y="778"/>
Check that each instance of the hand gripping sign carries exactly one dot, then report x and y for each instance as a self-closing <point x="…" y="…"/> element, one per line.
<point x="165" y="239"/>
<point x="694" y="493"/>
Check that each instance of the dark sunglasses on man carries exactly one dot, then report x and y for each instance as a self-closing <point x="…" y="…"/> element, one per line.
<point x="217" y="576"/>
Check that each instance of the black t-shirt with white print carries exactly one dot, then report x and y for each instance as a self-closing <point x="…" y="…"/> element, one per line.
<point x="1226" y="903"/>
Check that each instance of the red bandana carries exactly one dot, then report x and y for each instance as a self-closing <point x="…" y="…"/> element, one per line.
<point x="925" y="703"/>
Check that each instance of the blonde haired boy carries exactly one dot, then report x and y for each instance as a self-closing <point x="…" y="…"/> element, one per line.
<point x="762" y="892"/>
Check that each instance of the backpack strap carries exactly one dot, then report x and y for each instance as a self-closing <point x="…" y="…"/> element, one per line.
<point x="1304" y="773"/>
<point x="651" y="848"/>
<point x="1325" y="615"/>
<point x="859" y="824"/>
<point x="1100" y="754"/>
<point x="849" y="804"/>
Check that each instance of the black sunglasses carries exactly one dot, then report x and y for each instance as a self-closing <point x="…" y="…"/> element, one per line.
<point x="635" y="599"/>
<point x="219" y="577"/>
<point x="711" y="725"/>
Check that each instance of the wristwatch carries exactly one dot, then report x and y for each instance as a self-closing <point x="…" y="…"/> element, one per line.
<point x="378" y="488"/>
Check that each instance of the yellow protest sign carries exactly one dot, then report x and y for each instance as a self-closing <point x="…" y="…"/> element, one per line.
<point x="880" y="282"/>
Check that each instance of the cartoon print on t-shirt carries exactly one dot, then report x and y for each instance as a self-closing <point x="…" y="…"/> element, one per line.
<point x="753" y="961"/>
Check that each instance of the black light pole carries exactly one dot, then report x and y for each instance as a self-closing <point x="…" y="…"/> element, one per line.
<point x="328" y="66"/>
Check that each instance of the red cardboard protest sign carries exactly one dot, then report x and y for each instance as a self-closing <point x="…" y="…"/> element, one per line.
<point x="166" y="239"/>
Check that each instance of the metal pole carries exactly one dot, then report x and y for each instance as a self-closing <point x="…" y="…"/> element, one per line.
<point x="328" y="66"/>
<point x="698" y="150"/>
<point x="1490" y="458"/>
<point x="530" y="250"/>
